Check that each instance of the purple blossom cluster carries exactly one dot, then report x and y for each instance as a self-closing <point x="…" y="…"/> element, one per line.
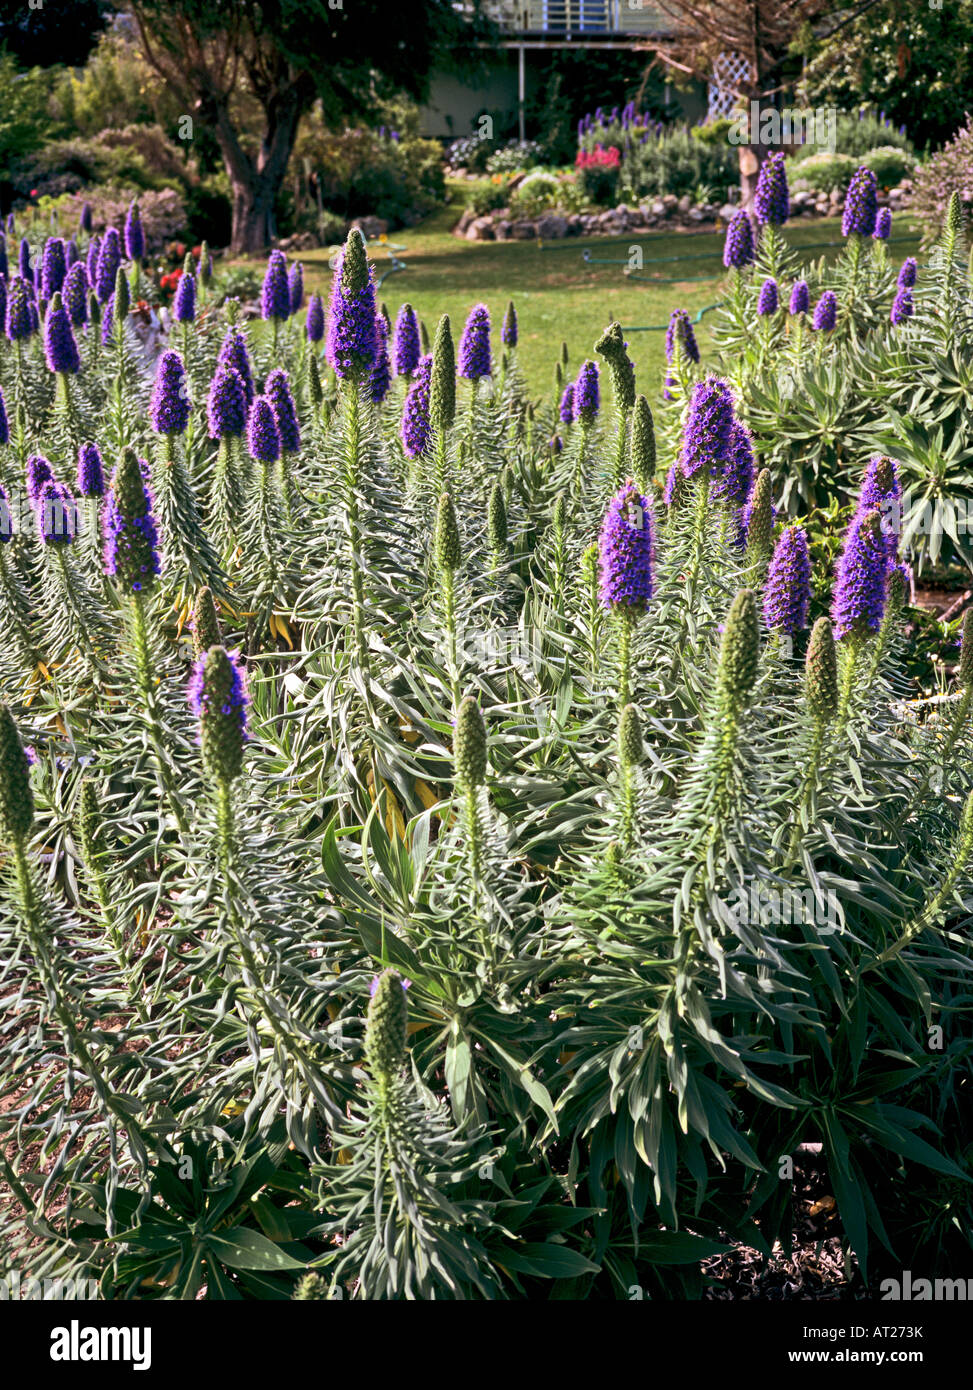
<point x="787" y="591"/>
<point x="861" y="204"/>
<point x="708" y="434"/>
<point x="625" y="551"/>
<point x="407" y="347"/>
<point x="771" y="201"/>
<point x="738" y="248"/>
<point x="474" y="359"/>
<point x="416" y="429"/>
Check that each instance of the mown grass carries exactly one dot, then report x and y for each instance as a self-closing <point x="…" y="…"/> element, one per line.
<point x="558" y="295"/>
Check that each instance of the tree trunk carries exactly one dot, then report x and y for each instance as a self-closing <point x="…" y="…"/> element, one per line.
<point x="253" y="215"/>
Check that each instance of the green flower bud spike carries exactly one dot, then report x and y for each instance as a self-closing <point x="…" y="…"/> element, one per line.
<point x="760" y="534"/>
<point x="123" y="297"/>
<point x="310" y="1288"/>
<point x="442" y="396"/>
<point x="205" y="624"/>
<point x="16" y="797"/>
<point x="314" y="388"/>
<point x="218" y="697"/>
<point x="739" y="651"/>
<point x="821" y="672"/>
<point x="448" y="554"/>
<point x="589" y="580"/>
<point x="497" y="523"/>
<point x="643" y="446"/>
<point x="735" y="677"/>
<point x="470" y="762"/>
<point x="386" y="1030"/>
<point x="611" y="346"/>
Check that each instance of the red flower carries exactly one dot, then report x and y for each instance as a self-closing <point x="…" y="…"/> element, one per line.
<point x="33" y="192"/>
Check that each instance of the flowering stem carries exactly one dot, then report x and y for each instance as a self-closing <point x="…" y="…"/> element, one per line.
<point x="852" y="649"/>
<point x="621" y="441"/>
<point x="225" y="828"/>
<point x="144" y="683"/>
<point x="352" y="468"/>
<point x="699" y="533"/>
<point x="810" y="785"/>
<point x="449" y="612"/>
<point x="626" y="622"/>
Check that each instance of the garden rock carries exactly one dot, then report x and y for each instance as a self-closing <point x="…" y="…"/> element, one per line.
<point x="523" y="231"/>
<point x="503" y="229"/>
<point x="481" y="230"/>
<point x="552" y="226"/>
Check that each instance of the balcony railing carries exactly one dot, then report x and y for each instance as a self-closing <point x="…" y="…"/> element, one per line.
<point x="579" y="18"/>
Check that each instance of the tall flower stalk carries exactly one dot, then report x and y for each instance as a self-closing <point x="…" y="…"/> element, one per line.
<point x="625" y="572"/>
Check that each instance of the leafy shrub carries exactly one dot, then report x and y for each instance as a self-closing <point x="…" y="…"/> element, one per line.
<point x="25" y="121"/>
<point x="472" y="153"/>
<point x="947" y="172"/>
<point x="330" y="228"/>
<point x="536" y="193"/>
<point x="866" y="129"/>
<point x="360" y="172"/>
<point x="486" y="197"/>
<point x="889" y="165"/>
<point x="598" y="173"/>
<point x="823" y="172"/>
<point x="514" y="156"/>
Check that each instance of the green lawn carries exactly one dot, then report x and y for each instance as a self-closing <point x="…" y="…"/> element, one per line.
<point x="558" y="295"/>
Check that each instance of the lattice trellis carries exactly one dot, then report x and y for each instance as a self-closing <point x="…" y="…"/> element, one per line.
<point x="730" y="71"/>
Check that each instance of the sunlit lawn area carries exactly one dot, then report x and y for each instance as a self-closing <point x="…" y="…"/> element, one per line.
<point x="560" y="296"/>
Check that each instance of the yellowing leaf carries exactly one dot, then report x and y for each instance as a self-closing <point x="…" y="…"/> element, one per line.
<point x="426" y="794"/>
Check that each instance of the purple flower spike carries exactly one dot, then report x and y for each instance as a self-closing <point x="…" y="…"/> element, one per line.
<point x="680" y="331"/>
<point x="131" y="553"/>
<point x="738" y="248"/>
<point x="4" y="426"/>
<point x="907" y="273"/>
<point x="19" y="324"/>
<point x="91" y="262"/>
<point x="3" y="299"/>
<point x="381" y="375"/>
<point x="510" y="332"/>
<point x="108" y="321"/>
<point x="184" y="301"/>
<point x="4" y="268"/>
<point x="587" y="395"/>
<point x="226" y="406"/>
<point x="708" y="435"/>
<point x="23" y="261"/>
<point x="263" y="437"/>
<point x="859" y="593"/>
<point x="60" y="349"/>
<point x="233" y="353"/>
<point x="883" y="225"/>
<point x="351" y="315"/>
<point x="771" y="201"/>
<point x="275" y="296"/>
<point x="625" y="551"/>
<point x="902" y="307"/>
<point x="91" y="473"/>
<point x="416" y="429"/>
<point x="733" y="484"/>
<point x="315" y="319"/>
<point x="134" y="235"/>
<point x="474" y="349"/>
<point x="800" y="298"/>
<point x="861" y="204"/>
<point x="71" y="256"/>
<point x="109" y="259"/>
<point x="567" y="405"/>
<point x="75" y="294"/>
<point x="53" y="267"/>
<point x="223" y="710"/>
<point x="825" y="312"/>
<point x="295" y="287"/>
<point x="767" y="300"/>
<point x="277" y="389"/>
<point x="169" y="407"/>
<point x="407" y="348"/>
<point x="38" y="474"/>
<point x="57" y="514"/>
<point x="84" y="221"/>
<point x="787" y="592"/>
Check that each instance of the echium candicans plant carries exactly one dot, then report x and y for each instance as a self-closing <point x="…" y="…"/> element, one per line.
<point x="625" y="561"/>
<point x="771" y="209"/>
<point x="188" y="549"/>
<point x="277" y="389"/>
<point x="682" y="351"/>
<point x="218" y="698"/>
<point x="74" y="621"/>
<point x="400" y="1156"/>
<point x="351" y="351"/>
<point x="275" y="296"/>
<point x="266" y="541"/>
<point x="642" y="450"/>
<point x="416" y="429"/>
<point x="20" y="653"/>
<point x="133" y="561"/>
<point x="226" y="416"/>
<point x="447" y="556"/>
<point x="60" y="1001"/>
<point x="442" y="399"/>
<point x="474" y="363"/>
<point x="470" y="766"/>
<point x="587" y="404"/>
<point x="859" y="597"/>
<point x="614" y="349"/>
<point x="407" y="349"/>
